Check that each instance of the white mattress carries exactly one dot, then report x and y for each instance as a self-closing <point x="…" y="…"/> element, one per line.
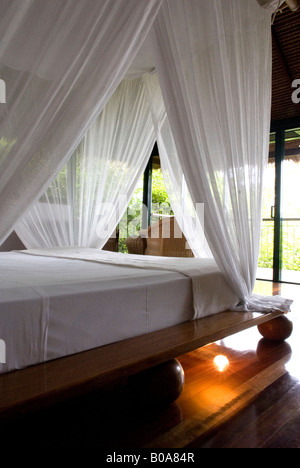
<point x="54" y="304"/>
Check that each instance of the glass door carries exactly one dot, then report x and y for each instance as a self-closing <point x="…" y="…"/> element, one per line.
<point x="280" y="241"/>
<point x="290" y="208"/>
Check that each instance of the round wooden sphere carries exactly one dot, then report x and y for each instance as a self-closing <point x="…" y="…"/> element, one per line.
<point x="161" y="384"/>
<point x="278" y="329"/>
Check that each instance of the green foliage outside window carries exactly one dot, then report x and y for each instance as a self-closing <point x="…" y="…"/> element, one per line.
<point x="133" y="217"/>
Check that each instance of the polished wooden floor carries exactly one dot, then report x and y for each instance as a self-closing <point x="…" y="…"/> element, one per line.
<point x="255" y="403"/>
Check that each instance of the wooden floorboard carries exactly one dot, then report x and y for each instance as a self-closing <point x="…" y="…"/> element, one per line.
<point x="260" y="423"/>
<point x="254" y="404"/>
<point x="288" y="435"/>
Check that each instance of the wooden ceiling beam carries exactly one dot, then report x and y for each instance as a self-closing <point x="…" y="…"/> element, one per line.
<point x="284" y="65"/>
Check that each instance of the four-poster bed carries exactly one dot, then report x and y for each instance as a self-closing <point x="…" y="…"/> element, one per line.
<point x="85" y="104"/>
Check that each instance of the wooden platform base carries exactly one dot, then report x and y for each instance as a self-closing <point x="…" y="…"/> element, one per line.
<point x="39" y="386"/>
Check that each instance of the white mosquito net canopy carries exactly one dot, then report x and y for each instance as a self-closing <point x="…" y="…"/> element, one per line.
<point x="92" y="84"/>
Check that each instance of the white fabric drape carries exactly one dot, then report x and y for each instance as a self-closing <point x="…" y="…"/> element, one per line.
<point x="189" y="217"/>
<point x="61" y="60"/>
<point x="271" y="5"/>
<point x="85" y="202"/>
<point x="214" y="65"/>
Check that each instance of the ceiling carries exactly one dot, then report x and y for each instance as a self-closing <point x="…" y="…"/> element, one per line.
<point x="286" y="64"/>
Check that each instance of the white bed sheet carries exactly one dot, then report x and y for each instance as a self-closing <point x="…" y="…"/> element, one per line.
<point x="53" y="304"/>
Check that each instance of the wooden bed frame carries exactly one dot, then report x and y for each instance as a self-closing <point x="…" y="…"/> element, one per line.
<point x="42" y="385"/>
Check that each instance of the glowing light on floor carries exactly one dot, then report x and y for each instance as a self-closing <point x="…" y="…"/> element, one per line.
<point x="221" y="363"/>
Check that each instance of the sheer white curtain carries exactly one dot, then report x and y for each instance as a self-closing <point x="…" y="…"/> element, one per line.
<point x="271" y="5"/>
<point x="214" y="65"/>
<point x="85" y="202"/>
<point x="189" y="217"/>
<point x="61" y="60"/>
